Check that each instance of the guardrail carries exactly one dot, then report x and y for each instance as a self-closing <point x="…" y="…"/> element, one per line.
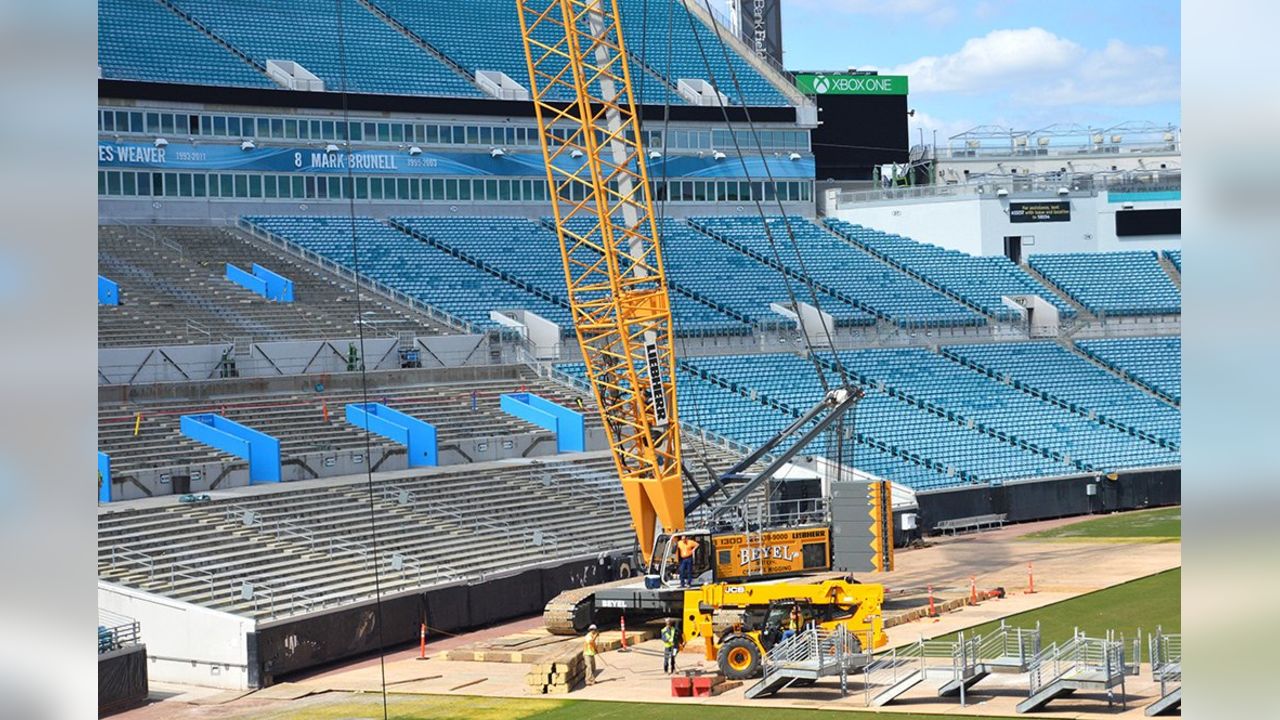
<point x="116" y="631"/>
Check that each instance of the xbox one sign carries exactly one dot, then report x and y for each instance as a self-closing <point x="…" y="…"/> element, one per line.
<point x="810" y="84"/>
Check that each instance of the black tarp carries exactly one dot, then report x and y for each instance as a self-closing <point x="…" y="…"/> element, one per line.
<point x="122" y="679"/>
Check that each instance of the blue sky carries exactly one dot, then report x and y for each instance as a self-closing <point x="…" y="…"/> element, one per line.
<point x="1016" y="63"/>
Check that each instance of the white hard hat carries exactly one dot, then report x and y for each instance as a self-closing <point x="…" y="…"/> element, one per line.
<point x="593" y="627"/>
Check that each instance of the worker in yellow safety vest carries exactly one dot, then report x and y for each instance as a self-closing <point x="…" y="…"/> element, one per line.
<point x="669" y="647"/>
<point x="589" y="650"/>
<point x="685" y="548"/>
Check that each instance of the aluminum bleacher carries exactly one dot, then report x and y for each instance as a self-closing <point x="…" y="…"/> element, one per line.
<point x="299" y="420"/>
<point x="176" y="292"/>
<point x="301" y="547"/>
<point x="1112" y="283"/>
<point x="281" y="550"/>
<point x="143" y="40"/>
<point x="1053" y="372"/>
<point x="980" y="281"/>
<point x="379" y="59"/>
<point x="838" y="267"/>
<point x="1154" y="362"/>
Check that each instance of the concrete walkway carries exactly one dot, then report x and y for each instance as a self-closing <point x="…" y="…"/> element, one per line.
<point x="996" y="558"/>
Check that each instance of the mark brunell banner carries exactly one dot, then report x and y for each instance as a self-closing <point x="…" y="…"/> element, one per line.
<point x="230" y="158"/>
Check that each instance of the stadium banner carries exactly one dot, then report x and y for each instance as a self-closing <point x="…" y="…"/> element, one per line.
<point x="1044" y="211"/>
<point x="314" y="160"/>
<point x="817" y="84"/>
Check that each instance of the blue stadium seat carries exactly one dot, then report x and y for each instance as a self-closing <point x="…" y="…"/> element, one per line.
<point x="413" y="267"/>
<point x="1154" y="362"/>
<point x="378" y="58"/>
<point x="979" y="280"/>
<point x="1112" y="283"/>
<point x="1052" y="371"/>
<point x="143" y="40"/>
<point x="841" y="269"/>
<point x="528" y="253"/>
<point x="1175" y="257"/>
<point x="1002" y="411"/>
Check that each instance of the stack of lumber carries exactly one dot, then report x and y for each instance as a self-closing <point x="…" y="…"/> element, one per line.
<point x="538" y="645"/>
<point x="557" y="675"/>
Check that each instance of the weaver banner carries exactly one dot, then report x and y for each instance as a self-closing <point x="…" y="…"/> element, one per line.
<point x="230" y="158"/>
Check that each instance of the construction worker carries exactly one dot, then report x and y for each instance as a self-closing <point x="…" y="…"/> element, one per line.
<point x="589" y="650"/>
<point x="669" y="647"/>
<point x="685" y="548"/>
<point x="794" y="623"/>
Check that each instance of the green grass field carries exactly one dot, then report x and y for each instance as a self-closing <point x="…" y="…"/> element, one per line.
<point x="1163" y="525"/>
<point x="1143" y="603"/>
<point x="440" y="707"/>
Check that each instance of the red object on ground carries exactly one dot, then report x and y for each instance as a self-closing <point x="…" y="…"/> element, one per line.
<point x="933" y="612"/>
<point x="973" y="590"/>
<point x="623" y="625"/>
<point x="681" y="686"/>
<point x="702" y="685"/>
<point x="1031" y="581"/>
<point x="422" y="642"/>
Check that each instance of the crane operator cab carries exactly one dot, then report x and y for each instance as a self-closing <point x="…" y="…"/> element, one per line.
<point x="670" y="550"/>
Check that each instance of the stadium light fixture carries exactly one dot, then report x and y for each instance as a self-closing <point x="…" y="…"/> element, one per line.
<point x="497" y="152"/>
<point x="1063" y="191"/>
<point x="1126" y="206"/>
<point x="655" y="155"/>
<point x="575" y="153"/>
<point x="161" y="142"/>
<point x="1002" y="192"/>
<point x="794" y="156"/>
<point x="718" y="155"/>
<point x="331" y="149"/>
<point x="415" y="150"/>
<point x="247" y="145"/>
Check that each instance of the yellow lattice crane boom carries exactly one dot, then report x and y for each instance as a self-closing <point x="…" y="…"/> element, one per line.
<point x="603" y="209"/>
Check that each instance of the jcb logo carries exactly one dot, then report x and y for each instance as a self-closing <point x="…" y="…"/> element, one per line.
<point x="734" y="590"/>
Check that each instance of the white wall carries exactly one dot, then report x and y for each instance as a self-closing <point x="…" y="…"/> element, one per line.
<point x="950" y="223"/>
<point x="186" y="644"/>
<point x="978" y="225"/>
<point x="1077" y="235"/>
<point x="1106" y="235"/>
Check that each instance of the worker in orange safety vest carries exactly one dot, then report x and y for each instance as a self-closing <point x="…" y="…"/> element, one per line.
<point x="685" y="548"/>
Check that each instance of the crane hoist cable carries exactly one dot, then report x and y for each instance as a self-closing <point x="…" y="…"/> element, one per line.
<point x="836" y="361"/>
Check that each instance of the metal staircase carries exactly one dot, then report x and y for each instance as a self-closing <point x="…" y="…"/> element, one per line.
<point x="1081" y="663"/>
<point x="1165" y="652"/>
<point x="1007" y="650"/>
<point x="811" y="655"/>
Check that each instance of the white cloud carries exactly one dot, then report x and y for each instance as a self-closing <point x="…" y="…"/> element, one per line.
<point x="1000" y="57"/>
<point x="1119" y="74"/>
<point x="928" y="124"/>
<point x="1033" y="66"/>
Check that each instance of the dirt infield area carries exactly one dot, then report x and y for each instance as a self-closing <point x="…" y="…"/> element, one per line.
<point x="1061" y="564"/>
